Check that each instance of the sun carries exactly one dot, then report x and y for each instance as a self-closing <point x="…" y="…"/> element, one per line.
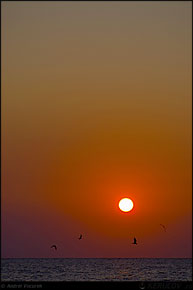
<point x="126" y="204"/>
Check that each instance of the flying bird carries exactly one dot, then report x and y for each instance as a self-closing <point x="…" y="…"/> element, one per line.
<point x="134" y="241"/>
<point x="54" y="246"/>
<point x="163" y="227"/>
<point x="80" y="237"/>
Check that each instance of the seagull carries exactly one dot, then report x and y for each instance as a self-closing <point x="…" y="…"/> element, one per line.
<point x="163" y="227"/>
<point x="54" y="246"/>
<point x="80" y="237"/>
<point x="134" y="241"/>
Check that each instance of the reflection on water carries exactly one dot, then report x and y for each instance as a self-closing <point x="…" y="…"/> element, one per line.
<point x="96" y="269"/>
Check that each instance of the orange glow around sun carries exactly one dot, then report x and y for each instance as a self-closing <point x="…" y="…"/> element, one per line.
<point x="126" y="204"/>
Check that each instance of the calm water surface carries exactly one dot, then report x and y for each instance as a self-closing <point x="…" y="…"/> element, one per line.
<point x="96" y="269"/>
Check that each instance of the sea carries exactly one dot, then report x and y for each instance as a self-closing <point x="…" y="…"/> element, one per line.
<point x="98" y="269"/>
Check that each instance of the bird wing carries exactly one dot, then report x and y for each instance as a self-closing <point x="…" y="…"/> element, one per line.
<point x="163" y="227"/>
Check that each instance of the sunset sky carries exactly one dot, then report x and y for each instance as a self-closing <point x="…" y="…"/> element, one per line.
<point x="96" y="106"/>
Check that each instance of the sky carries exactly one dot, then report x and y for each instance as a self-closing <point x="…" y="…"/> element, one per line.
<point x="96" y="106"/>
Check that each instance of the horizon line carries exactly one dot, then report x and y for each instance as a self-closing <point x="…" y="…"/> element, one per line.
<point x="97" y="258"/>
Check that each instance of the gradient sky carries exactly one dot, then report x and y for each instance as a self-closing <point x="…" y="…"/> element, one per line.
<point x="96" y="106"/>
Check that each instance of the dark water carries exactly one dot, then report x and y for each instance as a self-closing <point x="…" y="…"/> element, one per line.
<point x="96" y="269"/>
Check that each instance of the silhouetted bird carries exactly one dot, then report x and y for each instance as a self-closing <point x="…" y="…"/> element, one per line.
<point x="163" y="227"/>
<point x="80" y="237"/>
<point x="54" y="246"/>
<point x="134" y="241"/>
